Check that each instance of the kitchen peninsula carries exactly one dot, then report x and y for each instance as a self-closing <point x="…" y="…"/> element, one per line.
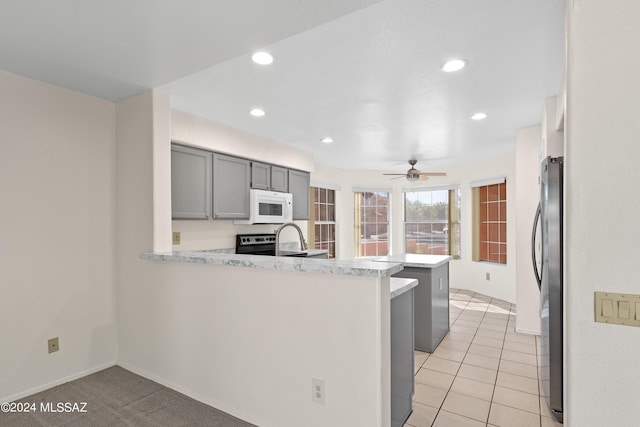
<point x="431" y="299"/>
<point x="248" y="334"/>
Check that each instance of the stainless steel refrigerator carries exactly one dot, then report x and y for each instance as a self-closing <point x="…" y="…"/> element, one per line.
<point x="549" y="277"/>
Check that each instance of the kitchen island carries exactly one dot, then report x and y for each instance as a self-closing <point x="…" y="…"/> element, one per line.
<point x="250" y="334"/>
<point x="431" y="299"/>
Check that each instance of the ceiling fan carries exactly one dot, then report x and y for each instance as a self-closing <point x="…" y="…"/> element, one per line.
<point x="414" y="174"/>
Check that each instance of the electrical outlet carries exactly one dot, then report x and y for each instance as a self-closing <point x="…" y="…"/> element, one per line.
<point x="53" y="345"/>
<point x="318" y="391"/>
<point x="176" y="237"/>
<point x="487" y="276"/>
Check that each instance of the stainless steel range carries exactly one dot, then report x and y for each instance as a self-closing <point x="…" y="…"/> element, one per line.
<point x="256" y="244"/>
<point x="261" y="244"/>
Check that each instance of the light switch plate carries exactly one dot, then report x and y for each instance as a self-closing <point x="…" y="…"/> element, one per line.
<point x="176" y="237"/>
<point x="617" y="309"/>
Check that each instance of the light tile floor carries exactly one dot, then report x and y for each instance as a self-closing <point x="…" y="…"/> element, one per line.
<point x="483" y="373"/>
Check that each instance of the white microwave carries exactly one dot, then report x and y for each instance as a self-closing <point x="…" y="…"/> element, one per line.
<point x="268" y="207"/>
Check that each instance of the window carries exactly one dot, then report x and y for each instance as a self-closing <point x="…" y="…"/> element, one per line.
<point x="490" y="212"/>
<point x="432" y="222"/>
<point x="371" y="223"/>
<point x="322" y="224"/>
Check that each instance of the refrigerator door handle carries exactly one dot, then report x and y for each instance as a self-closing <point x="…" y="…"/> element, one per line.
<point x="533" y="248"/>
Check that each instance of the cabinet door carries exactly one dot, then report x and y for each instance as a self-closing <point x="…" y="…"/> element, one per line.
<point x="402" y="358"/>
<point x="231" y="180"/>
<point x="260" y="176"/>
<point x="299" y="186"/>
<point x="439" y="303"/>
<point x="279" y="179"/>
<point x="190" y="183"/>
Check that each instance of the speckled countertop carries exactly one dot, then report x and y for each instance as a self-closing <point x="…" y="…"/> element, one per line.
<point x="400" y="285"/>
<point x="416" y="260"/>
<point x="362" y="268"/>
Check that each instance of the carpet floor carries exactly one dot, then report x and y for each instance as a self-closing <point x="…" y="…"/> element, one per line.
<point x="116" y="397"/>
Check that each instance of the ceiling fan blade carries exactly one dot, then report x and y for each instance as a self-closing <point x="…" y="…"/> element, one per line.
<point x="423" y="177"/>
<point x="433" y="173"/>
<point x="399" y="177"/>
<point x="397" y="174"/>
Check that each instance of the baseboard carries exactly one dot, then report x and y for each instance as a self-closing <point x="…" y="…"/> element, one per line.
<point x="527" y="331"/>
<point x="187" y="392"/>
<point x="51" y="384"/>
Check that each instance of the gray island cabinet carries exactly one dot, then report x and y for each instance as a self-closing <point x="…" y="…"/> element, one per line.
<point x="402" y="366"/>
<point x="431" y="298"/>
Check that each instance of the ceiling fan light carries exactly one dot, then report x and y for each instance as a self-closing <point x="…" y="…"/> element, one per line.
<point x="413" y="177"/>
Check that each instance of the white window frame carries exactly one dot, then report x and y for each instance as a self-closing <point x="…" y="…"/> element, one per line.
<point x="452" y="230"/>
<point x="358" y="221"/>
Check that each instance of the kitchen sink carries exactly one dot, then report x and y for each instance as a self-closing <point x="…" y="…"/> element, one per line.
<point x="294" y="253"/>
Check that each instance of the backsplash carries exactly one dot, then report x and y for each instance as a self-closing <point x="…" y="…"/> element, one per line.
<point x="221" y="234"/>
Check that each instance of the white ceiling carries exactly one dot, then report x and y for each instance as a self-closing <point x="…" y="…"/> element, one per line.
<point x="365" y="72"/>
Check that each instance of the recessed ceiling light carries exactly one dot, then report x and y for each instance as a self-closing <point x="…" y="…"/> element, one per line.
<point x="454" y="65"/>
<point x="479" y="116"/>
<point x="257" y="112"/>
<point x="262" y="58"/>
<point x="327" y="140"/>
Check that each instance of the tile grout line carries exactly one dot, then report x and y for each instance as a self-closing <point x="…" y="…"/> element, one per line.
<point x="482" y="319"/>
<point x="458" y="370"/>
<point x="462" y="362"/>
<point x="495" y="383"/>
<point x="453" y="320"/>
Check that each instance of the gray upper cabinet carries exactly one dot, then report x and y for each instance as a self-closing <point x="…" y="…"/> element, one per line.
<point x="299" y="183"/>
<point x="269" y="177"/>
<point x="260" y="176"/>
<point x="279" y="179"/>
<point x="206" y="185"/>
<point x="190" y="183"/>
<point x="231" y="181"/>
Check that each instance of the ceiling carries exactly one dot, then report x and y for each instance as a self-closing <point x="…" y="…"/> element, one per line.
<point x="364" y="72"/>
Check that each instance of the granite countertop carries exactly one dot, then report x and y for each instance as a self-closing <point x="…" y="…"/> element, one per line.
<point x="310" y="251"/>
<point x="399" y="286"/>
<point x="416" y="260"/>
<point x="362" y="268"/>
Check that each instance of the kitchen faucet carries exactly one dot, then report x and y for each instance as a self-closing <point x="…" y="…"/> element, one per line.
<point x="303" y="243"/>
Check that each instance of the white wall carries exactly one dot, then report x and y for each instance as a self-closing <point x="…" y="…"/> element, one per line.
<point x="464" y="273"/>
<point x="249" y="341"/>
<point x="552" y="138"/>
<point x="602" y="209"/>
<point x="57" y="175"/>
<point x="198" y="132"/>
<point x="468" y="274"/>
<point x="528" y="142"/>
